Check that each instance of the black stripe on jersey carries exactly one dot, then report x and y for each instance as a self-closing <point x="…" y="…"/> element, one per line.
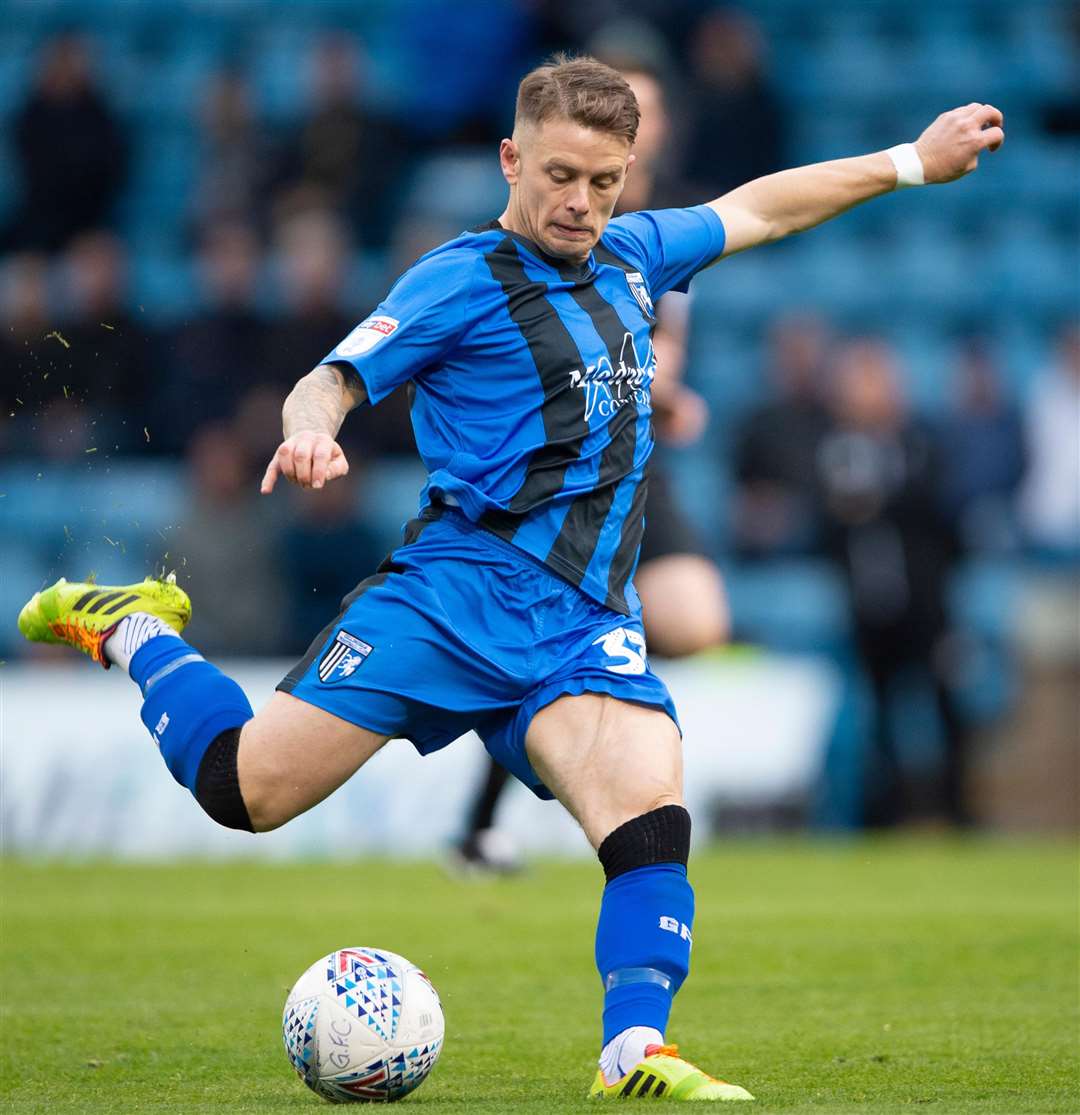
<point x="626" y="552"/>
<point x="603" y="254"/>
<point x="415" y="527"/>
<point x="580" y="532"/>
<point x="633" y="525"/>
<point x="563" y="411"/>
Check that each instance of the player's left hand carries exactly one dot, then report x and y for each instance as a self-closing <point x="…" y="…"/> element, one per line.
<point x="309" y="459"/>
<point x="951" y="146"/>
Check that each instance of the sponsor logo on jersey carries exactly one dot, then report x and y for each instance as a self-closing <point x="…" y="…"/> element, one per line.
<point x="343" y="657"/>
<point x="640" y="291"/>
<point x="367" y="335"/>
<point x="608" y="389"/>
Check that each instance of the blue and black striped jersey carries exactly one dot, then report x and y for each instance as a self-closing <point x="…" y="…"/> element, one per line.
<point x="532" y="375"/>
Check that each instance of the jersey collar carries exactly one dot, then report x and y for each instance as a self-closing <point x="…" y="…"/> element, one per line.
<point x="573" y="272"/>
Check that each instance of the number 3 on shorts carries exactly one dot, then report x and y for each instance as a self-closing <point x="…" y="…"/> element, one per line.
<point x="632" y="658"/>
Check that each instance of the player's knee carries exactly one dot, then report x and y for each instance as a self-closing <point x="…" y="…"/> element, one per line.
<point x="625" y="801"/>
<point x="645" y="776"/>
<point x="266" y="806"/>
<point x="262" y="804"/>
<point x="217" y="786"/>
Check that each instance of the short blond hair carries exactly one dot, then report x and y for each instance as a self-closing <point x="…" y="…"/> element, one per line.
<point x="581" y="89"/>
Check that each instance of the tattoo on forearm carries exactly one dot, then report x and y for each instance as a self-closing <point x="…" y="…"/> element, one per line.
<point x="320" y="401"/>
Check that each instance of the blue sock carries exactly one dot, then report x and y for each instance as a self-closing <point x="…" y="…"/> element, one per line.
<point x="186" y="702"/>
<point x="643" y="945"/>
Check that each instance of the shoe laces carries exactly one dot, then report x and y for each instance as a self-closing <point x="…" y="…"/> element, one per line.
<point x="82" y="638"/>
<point x="661" y="1051"/>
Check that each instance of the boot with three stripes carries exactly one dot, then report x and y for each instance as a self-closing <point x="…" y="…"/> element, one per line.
<point x="663" y="1074"/>
<point x="84" y="615"/>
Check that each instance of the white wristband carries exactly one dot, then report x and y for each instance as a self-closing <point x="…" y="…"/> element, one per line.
<point x="909" y="168"/>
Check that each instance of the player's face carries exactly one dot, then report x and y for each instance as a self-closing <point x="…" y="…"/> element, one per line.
<point x="564" y="182"/>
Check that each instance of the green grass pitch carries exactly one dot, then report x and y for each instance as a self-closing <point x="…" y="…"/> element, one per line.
<point x="881" y="976"/>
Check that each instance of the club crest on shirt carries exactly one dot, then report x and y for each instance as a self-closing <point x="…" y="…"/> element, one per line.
<point x="342" y="658"/>
<point x="640" y="292"/>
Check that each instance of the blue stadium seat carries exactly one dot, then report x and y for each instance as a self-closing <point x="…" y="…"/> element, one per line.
<point x="788" y="605"/>
<point x="391" y="496"/>
<point x="41" y="499"/>
<point x="464" y="188"/>
<point x="16" y="68"/>
<point x="163" y="286"/>
<point x="24" y="567"/>
<point x="279" y="73"/>
<point x="984" y="596"/>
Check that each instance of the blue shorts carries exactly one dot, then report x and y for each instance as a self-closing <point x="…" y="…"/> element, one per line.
<point x="459" y="630"/>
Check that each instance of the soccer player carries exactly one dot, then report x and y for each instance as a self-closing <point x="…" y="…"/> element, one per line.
<point x="509" y="607"/>
<point x="683" y="603"/>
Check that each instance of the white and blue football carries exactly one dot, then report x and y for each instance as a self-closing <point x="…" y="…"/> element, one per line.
<point x="363" y="1024"/>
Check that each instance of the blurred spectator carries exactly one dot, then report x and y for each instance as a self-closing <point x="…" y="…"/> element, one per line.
<point x="311" y="248"/>
<point x="653" y="181"/>
<point x="737" y="129"/>
<point x="211" y="360"/>
<point x="71" y="153"/>
<point x="777" y="444"/>
<point x="983" y="452"/>
<point x="110" y="362"/>
<point x="233" y="181"/>
<point x="345" y="156"/>
<point x="881" y="482"/>
<point x="78" y="376"/>
<point x="1061" y="113"/>
<point x="258" y="422"/>
<point x="226" y="540"/>
<point x="312" y="257"/>
<point x="327" y="549"/>
<point x="1050" y="502"/>
<point x="680" y="415"/>
<point x="27" y="356"/>
<point x="639" y="52"/>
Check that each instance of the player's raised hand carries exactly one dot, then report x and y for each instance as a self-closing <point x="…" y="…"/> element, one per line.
<point x="308" y="459"/>
<point x="951" y="146"/>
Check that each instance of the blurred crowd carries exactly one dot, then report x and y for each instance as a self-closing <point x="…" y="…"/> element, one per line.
<point x="833" y="460"/>
<point x="273" y="225"/>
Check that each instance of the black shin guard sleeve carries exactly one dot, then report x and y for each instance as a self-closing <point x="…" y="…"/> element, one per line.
<point x="662" y="836"/>
<point x="217" y="785"/>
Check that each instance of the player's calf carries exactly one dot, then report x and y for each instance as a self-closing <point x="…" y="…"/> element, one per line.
<point x="189" y="706"/>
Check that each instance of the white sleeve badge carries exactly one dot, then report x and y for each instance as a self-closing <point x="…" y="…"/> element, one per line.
<point x="367" y="335"/>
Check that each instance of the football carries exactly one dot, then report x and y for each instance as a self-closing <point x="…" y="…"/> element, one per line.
<point x="363" y="1024"/>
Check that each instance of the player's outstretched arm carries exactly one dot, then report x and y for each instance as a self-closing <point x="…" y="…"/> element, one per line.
<point x="311" y="417"/>
<point x="779" y="205"/>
